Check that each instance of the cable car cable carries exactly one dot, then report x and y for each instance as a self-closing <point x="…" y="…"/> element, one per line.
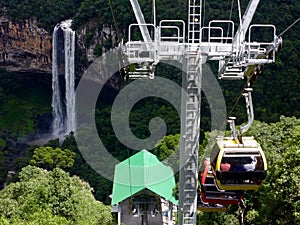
<point x="237" y="100"/>
<point x="235" y="104"/>
<point x="119" y="35"/>
<point x="204" y="5"/>
<point x="231" y="9"/>
<point x="230" y="16"/>
<point x="289" y="27"/>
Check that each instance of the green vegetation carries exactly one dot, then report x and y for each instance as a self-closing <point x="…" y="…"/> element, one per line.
<point x="278" y="201"/>
<point x="42" y="197"/>
<point x="102" y="187"/>
<point x="17" y="116"/>
<point x="139" y="118"/>
<point x="21" y="105"/>
<point x="49" y="158"/>
<point x="46" y="12"/>
<point x="167" y="146"/>
<point x="23" y="112"/>
<point x="3" y="170"/>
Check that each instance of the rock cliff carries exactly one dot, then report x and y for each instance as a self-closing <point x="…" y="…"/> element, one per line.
<point x="93" y="40"/>
<point x="24" y="47"/>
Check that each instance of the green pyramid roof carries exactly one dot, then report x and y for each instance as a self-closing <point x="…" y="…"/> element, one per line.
<point x="140" y="171"/>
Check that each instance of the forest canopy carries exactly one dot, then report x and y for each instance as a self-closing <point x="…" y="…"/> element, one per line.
<point x="42" y="197"/>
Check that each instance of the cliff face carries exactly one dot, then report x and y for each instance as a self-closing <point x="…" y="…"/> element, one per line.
<point x="24" y="47"/>
<point x="94" y="40"/>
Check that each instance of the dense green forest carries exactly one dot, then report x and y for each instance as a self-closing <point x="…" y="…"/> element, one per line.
<point x="25" y="111"/>
<point x="50" y="197"/>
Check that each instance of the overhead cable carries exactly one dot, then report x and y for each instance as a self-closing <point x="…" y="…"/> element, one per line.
<point x="289" y="27"/>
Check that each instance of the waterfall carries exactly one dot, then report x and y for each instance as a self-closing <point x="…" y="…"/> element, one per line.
<point x="64" y="116"/>
<point x="58" y="118"/>
<point x="69" y="45"/>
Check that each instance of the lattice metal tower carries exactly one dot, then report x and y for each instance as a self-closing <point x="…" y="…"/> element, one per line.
<point x="190" y="116"/>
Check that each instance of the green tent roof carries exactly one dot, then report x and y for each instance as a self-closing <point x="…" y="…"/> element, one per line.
<point x="140" y="171"/>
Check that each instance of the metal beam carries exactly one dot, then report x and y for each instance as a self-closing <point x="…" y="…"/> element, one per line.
<point x="250" y="113"/>
<point x="245" y="22"/>
<point x="140" y="19"/>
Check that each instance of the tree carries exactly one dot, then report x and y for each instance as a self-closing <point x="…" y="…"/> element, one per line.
<point x="278" y="201"/>
<point x="42" y="197"/>
<point x="39" y="217"/>
<point x="50" y="158"/>
<point x="167" y="150"/>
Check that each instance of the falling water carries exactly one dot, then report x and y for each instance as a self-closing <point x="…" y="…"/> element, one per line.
<point x="63" y="120"/>
<point x="58" y="118"/>
<point x="69" y="37"/>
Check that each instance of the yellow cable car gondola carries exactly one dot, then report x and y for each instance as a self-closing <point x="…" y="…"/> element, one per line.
<point x="238" y="166"/>
<point x="238" y="162"/>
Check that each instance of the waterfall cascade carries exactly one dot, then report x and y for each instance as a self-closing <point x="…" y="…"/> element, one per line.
<point x="63" y="106"/>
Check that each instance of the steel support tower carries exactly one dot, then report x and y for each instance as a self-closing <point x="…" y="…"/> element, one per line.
<point x="190" y="117"/>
